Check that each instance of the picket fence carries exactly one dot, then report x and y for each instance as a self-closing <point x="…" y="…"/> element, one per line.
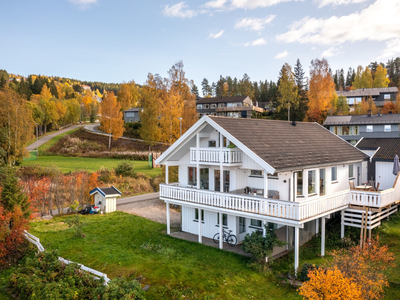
<point x="96" y="274"/>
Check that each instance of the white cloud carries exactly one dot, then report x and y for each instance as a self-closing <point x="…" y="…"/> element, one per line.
<point x="83" y="3"/>
<point x="254" y="24"/>
<point x="215" y="4"/>
<point x="322" y="3"/>
<point x="392" y="49"/>
<point x="258" y="42"/>
<point x="216" y="35"/>
<point x="281" y="55"/>
<point x="368" y="24"/>
<point x="179" y="10"/>
<point x="332" y="51"/>
<point x="252" y="4"/>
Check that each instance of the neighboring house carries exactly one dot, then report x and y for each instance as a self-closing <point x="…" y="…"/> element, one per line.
<point x="86" y="88"/>
<point x="354" y="127"/>
<point x="131" y="115"/>
<point x="382" y="152"/>
<point x="379" y="95"/>
<point x="236" y="107"/>
<point x="243" y="173"/>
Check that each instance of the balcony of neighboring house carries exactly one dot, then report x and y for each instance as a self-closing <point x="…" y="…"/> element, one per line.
<point x="216" y="156"/>
<point x="239" y="108"/>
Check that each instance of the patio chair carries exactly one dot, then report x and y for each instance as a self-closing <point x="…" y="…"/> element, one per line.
<point x="352" y="185"/>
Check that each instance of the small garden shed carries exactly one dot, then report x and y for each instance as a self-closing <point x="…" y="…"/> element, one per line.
<point x="106" y="198"/>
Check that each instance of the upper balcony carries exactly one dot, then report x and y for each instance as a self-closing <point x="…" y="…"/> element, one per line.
<point x="216" y="156"/>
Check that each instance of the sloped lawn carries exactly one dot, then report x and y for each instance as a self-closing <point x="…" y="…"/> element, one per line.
<point x="120" y="244"/>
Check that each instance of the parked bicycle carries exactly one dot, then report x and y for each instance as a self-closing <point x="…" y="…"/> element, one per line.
<point x="227" y="237"/>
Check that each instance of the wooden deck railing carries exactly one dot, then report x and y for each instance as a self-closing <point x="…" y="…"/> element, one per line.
<point x="215" y="155"/>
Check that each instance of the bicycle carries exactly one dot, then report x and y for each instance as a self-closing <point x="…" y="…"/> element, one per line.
<point x="227" y="237"/>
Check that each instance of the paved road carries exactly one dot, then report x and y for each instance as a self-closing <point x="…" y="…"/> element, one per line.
<point x="145" y="197"/>
<point x="49" y="137"/>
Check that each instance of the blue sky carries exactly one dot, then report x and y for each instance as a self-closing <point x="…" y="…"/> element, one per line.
<point x="121" y="40"/>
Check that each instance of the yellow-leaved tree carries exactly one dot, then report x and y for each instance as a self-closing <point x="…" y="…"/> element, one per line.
<point x="128" y="95"/>
<point x="321" y="92"/>
<point x="111" y="117"/>
<point x="380" y="79"/>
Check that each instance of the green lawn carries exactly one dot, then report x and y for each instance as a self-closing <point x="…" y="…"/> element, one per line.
<point x="71" y="164"/>
<point x="120" y="244"/>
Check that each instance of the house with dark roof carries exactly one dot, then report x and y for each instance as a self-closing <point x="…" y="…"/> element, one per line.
<point x="106" y="198"/>
<point x="236" y="107"/>
<point x="381" y="152"/>
<point x="379" y="95"/>
<point x="238" y="175"/>
<point x="131" y="115"/>
<point x="354" y="127"/>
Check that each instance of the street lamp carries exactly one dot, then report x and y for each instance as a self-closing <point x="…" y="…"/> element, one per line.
<point x="37" y="141"/>
<point x="180" y="127"/>
<point x="109" y="139"/>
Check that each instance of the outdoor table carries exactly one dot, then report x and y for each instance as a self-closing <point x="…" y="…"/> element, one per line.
<point x="364" y="187"/>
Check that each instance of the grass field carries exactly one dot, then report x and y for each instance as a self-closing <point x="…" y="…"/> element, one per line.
<point x="120" y="244"/>
<point x="71" y="164"/>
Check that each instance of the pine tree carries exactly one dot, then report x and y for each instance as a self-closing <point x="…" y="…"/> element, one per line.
<point x="349" y="77"/>
<point x="300" y="113"/>
<point x="205" y="88"/>
<point x="12" y="193"/>
<point x="195" y="91"/>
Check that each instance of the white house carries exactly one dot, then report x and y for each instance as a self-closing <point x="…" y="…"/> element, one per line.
<point x="106" y="198"/>
<point x="243" y="173"/>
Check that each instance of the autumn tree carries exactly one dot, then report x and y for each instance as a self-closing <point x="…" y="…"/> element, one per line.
<point x="329" y="285"/>
<point x="149" y="116"/>
<point x="128" y="95"/>
<point x="389" y="107"/>
<point x="16" y="126"/>
<point x="111" y="117"/>
<point x="321" y="91"/>
<point x="365" y="106"/>
<point x="380" y="79"/>
<point x="288" y="91"/>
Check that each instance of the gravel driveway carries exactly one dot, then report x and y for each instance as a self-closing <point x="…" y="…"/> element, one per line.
<point x="154" y="210"/>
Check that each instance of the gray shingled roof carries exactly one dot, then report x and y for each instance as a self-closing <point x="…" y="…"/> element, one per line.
<point x="221" y="100"/>
<point x="110" y="190"/>
<point x="287" y="147"/>
<point x="367" y="92"/>
<point x="388" y="147"/>
<point x="132" y="109"/>
<point x="362" y="119"/>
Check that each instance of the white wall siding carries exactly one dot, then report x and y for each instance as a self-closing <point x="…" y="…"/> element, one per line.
<point x="249" y="163"/>
<point x="384" y="175"/>
<point x="369" y="152"/>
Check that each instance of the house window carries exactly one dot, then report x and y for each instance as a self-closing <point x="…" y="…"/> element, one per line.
<point x="213" y="105"/>
<point x="256" y="223"/>
<point x="354" y="130"/>
<point x="221" y="105"/>
<point x="206" y="106"/>
<point x="192" y="176"/>
<point x="242" y="224"/>
<point x="299" y="183"/>
<point x="351" y="171"/>
<point x="199" y="106"/>
<point x="196" y="214"/>
<point x="224" y="219"/>
<point x="386" y="96"/>
<point x="272" y="226"/>
<point x="311" y="182"/>
<point x="256" y="173"/>
<point x="345" y="130"/>
<point x="370" y="128"/>
<point x="212" y="144"/>
<point x="334" y="174"/>
<point x="388" y="128"/>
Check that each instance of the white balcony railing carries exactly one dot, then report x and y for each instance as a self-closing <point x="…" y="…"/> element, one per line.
<point x="215" y="155"/>
<point x="258" y="205"/>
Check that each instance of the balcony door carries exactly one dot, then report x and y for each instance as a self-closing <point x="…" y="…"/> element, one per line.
<point x="225" y="181"/>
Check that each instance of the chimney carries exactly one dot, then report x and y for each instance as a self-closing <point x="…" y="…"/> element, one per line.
<point x="379" y="113"/>
<point x="369" y="112"/>
<point x="293" y="123"/>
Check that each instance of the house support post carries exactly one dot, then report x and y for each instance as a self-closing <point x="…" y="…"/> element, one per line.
<point x="316" y="226"/>
<point x="265" y="184"/>
<point x="342" y="224"/>
<point x="197" y="160"/>
<point x="221" y="160"/>
<point x="200" y="234"/>
<point x="264" y="224"/>
<point x="296" y="249"/>
<point x="166" y="174"/>
<point x="287" y="237"/>
<point x="221" y="235"/>
<point x="168" y="220"/>
<point x="323" y="236"/>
